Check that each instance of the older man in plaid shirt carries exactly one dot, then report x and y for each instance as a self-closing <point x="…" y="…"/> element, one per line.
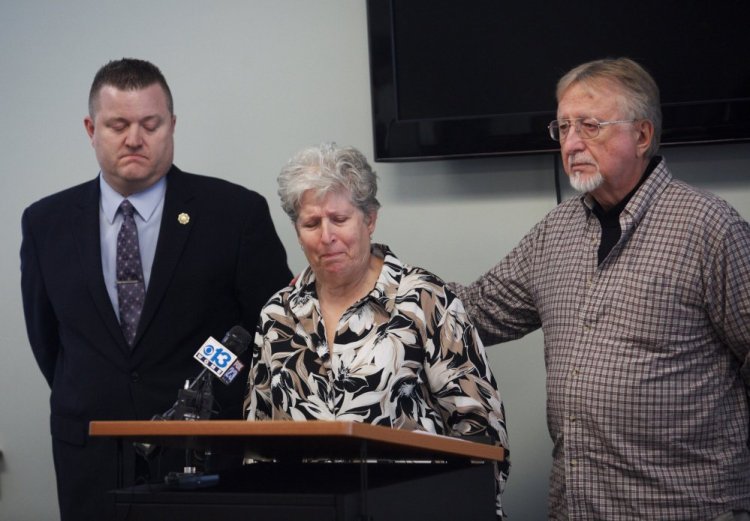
<point x="641" y="286"/>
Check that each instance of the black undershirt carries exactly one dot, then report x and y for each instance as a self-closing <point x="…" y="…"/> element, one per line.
<point x="610" y="219"/>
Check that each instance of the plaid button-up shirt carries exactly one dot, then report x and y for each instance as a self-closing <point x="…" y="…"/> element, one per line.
<point x="647" y="353"/>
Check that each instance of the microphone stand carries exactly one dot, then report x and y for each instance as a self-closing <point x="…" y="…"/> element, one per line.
<point x="195" y="401"/>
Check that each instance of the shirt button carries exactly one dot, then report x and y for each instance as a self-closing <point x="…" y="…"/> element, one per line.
<point x="135" y="377"/>
<point x="573" y="463"/>
<point x="574" y="373"/>
<point x="572" y="418"/>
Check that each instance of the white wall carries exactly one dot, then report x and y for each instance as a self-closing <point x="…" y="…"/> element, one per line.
<point x="253" y="81"/>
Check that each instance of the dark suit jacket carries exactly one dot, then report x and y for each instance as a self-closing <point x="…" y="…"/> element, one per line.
<point x="211" y="273"/>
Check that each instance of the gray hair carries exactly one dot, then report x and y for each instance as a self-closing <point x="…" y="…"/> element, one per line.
<point x="641" y="94"/>
<point x="328" y="168"/>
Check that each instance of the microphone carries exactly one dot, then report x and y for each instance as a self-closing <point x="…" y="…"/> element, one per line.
<point x="220" y="360"/>
<point x="195" y="400"/>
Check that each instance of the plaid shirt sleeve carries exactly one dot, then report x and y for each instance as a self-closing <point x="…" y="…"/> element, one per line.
<point x="728" y="291"/>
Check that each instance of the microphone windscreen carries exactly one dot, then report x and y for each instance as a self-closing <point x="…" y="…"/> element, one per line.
<point x="237" y="340"/>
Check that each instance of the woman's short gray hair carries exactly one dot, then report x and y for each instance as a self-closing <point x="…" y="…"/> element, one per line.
<point x="328" y="168"/>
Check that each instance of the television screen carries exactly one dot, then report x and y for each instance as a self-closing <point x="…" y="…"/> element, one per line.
<point x="476" y="78"/>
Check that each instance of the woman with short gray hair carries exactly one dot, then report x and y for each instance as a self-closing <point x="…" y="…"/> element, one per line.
<point x="359" y="335"/>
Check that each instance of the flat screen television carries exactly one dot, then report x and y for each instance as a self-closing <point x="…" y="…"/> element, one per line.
<point x="472" y="78"/>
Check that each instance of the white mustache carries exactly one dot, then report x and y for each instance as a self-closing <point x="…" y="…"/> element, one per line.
<point x="580" y="160"/>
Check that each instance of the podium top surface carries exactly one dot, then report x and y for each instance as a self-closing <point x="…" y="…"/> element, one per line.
<point x="298" y="439"/>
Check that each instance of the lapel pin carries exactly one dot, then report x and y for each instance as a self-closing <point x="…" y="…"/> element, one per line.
<point x="183" y="218"/>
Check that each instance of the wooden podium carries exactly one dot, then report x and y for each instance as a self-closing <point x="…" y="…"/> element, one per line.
<point x="318" y="470"/>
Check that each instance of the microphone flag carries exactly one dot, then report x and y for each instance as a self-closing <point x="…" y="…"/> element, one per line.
<point x="217" y="358"/>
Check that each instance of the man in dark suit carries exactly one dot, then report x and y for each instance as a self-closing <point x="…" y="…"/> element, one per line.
<point x="209" y="259"/>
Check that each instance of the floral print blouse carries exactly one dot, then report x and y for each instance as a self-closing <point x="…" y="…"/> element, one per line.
<point x="405" y="356"/>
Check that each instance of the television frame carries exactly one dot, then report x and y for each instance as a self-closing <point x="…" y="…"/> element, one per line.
<point x="397" y="138"/>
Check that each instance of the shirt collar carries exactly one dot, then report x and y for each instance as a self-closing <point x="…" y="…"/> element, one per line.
<point x="389" y="280"/>
<point x="145" y="202"/>
<point x="615" y="211"/>
<point x="658" y="180"/>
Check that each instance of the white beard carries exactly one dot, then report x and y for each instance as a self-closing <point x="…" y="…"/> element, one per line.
<point x="586" y="184"/>
<point x="581" y="183"/>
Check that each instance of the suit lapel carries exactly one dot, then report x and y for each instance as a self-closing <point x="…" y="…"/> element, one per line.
<point x="85" y="230"/>
<point x="174" y="231"/>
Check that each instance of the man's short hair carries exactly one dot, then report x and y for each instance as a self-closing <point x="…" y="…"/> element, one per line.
<point x="128" y="74"/>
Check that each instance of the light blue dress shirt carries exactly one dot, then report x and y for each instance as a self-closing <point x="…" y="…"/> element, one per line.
<point x="149" y="206"/>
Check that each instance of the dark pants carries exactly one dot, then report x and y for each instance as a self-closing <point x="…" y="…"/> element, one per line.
<point x="87" y="473"/>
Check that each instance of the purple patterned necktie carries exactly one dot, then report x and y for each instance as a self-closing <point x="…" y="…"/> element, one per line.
<point x="131" y="289"/>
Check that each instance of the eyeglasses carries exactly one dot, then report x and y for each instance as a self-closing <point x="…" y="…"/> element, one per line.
<point x="587" y="128"/>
